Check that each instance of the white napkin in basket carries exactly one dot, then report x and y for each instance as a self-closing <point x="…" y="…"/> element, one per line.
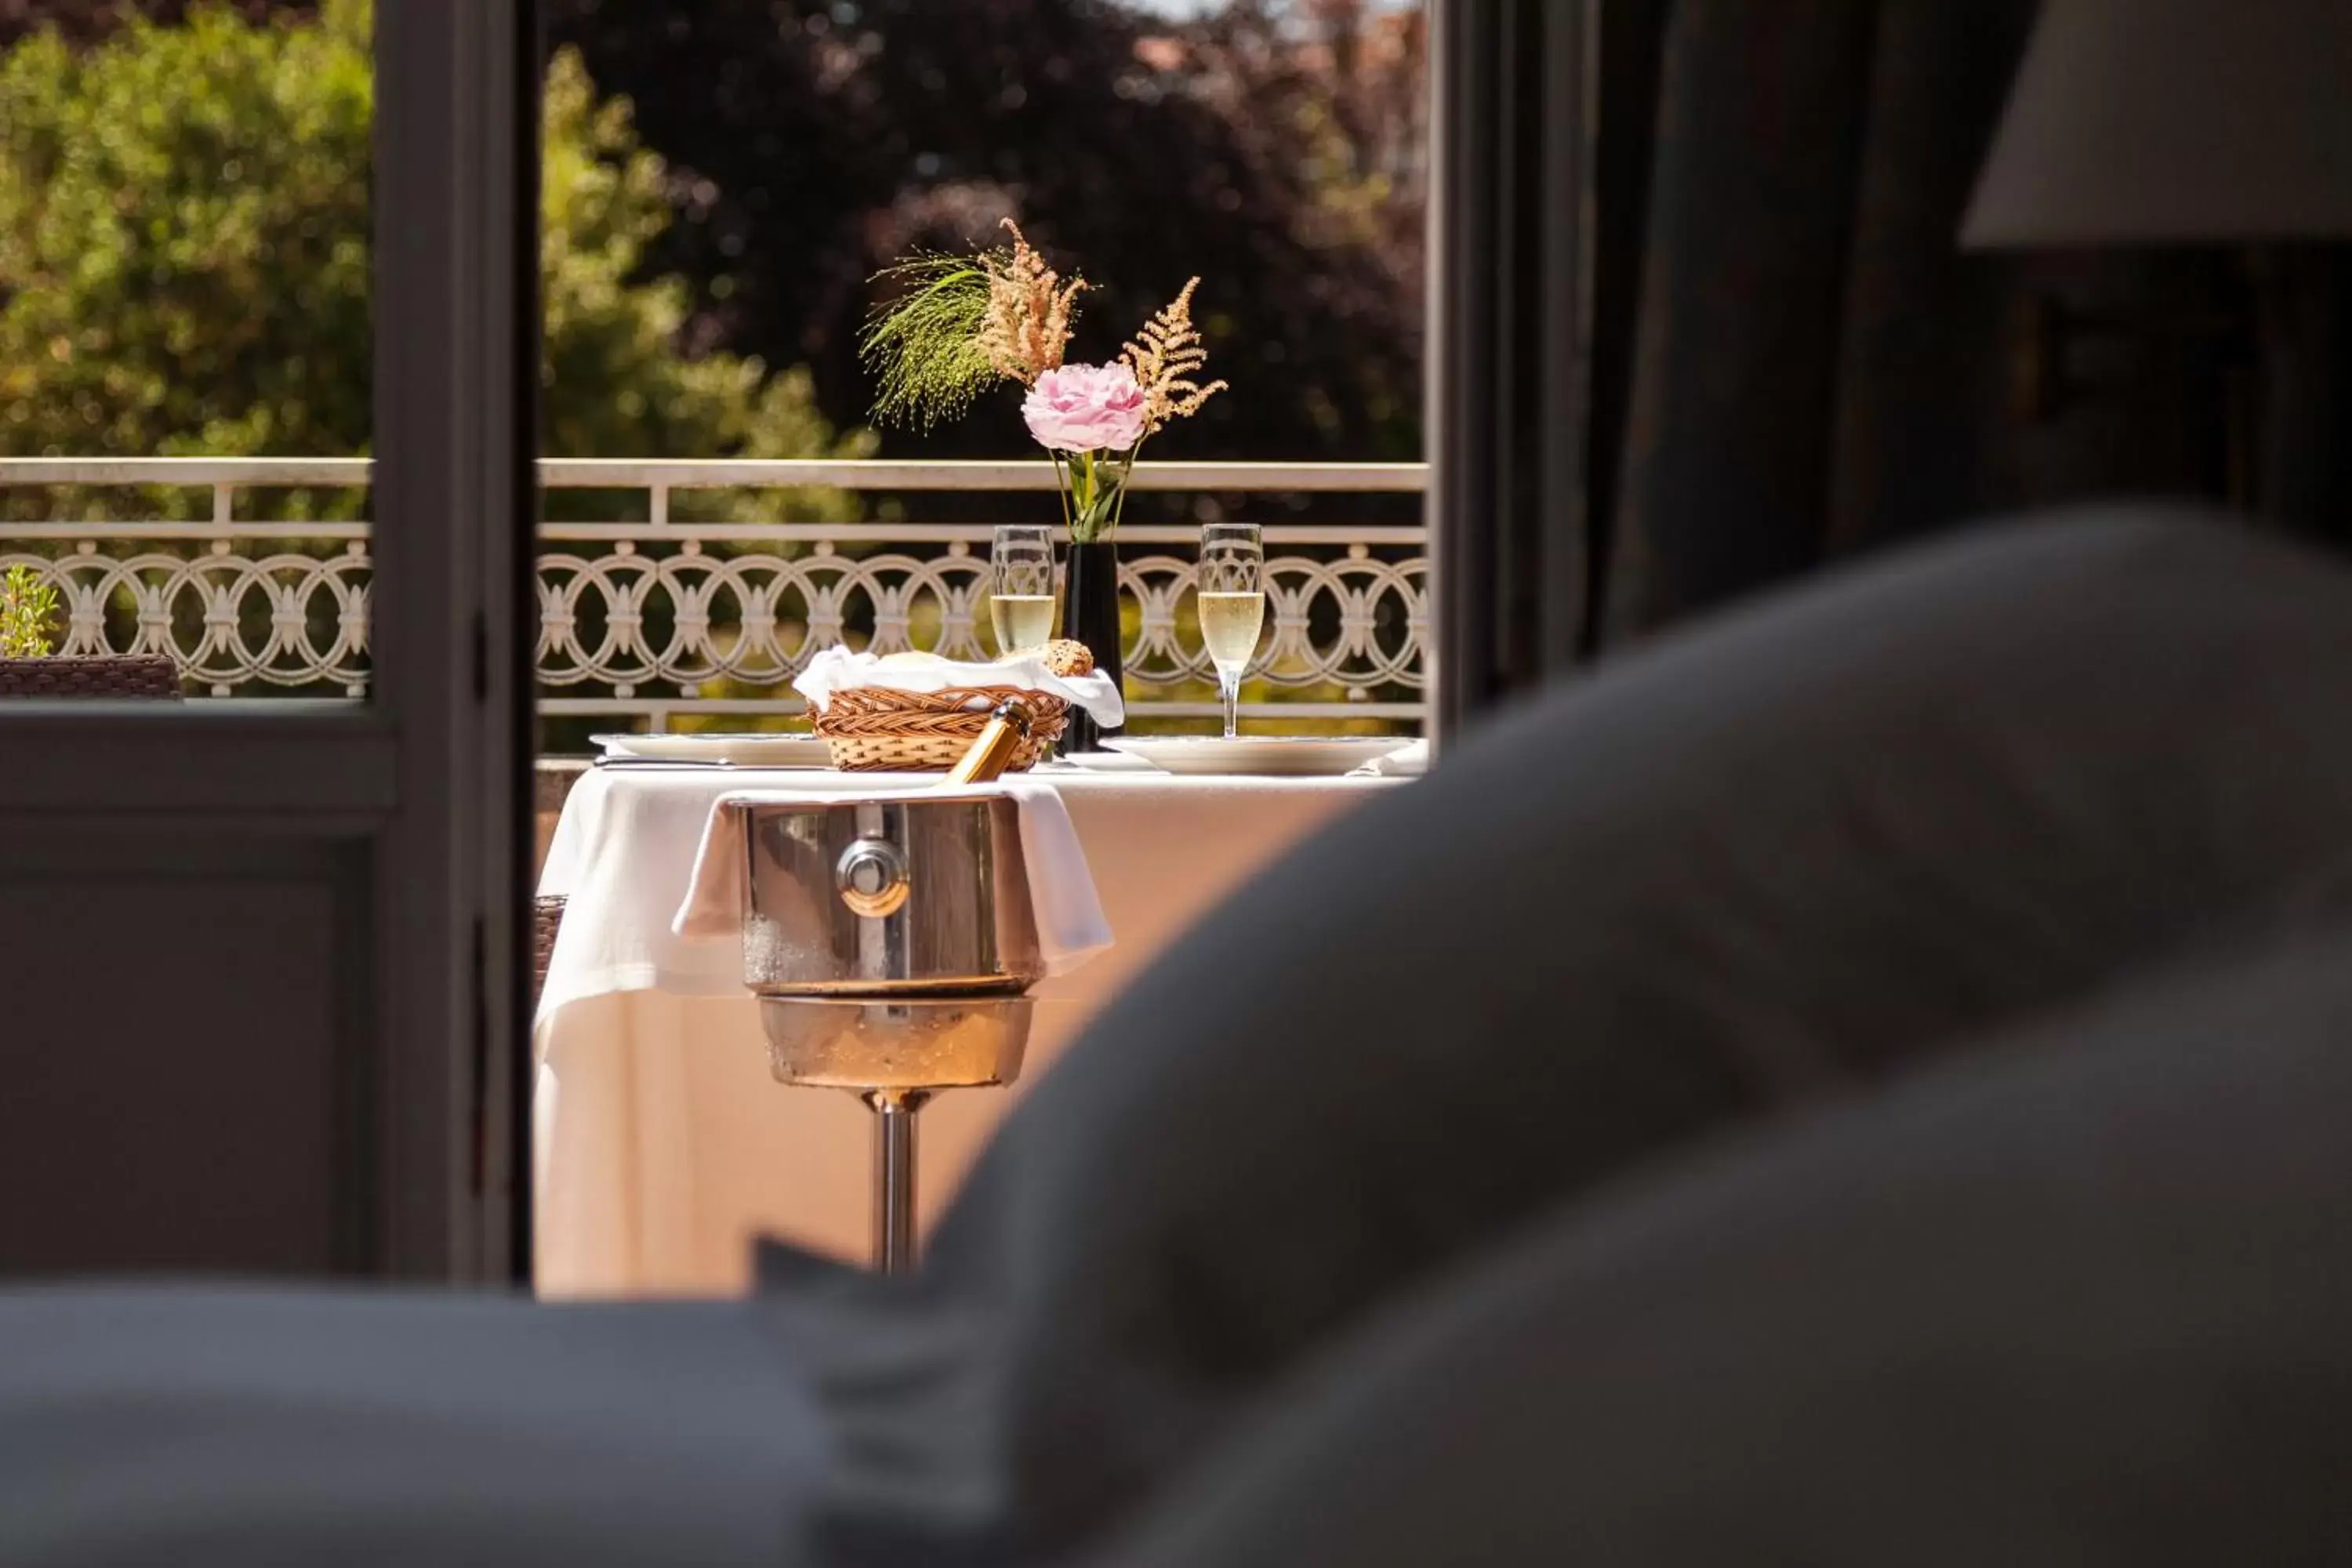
<point x="1071" y="928"/>
<point x="837" y="668"/>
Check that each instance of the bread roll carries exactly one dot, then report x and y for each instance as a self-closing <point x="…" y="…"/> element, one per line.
<point x="1065" y="657"/>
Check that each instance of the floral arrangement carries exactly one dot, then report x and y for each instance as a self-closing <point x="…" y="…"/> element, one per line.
<point x="28" y="607"/>
<point x="961" y="325"/>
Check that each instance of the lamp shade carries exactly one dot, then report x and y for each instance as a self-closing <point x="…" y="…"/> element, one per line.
<point x="2169" y="121"/>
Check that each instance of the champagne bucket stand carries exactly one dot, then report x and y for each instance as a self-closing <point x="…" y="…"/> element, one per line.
<point x="892" y="945"/>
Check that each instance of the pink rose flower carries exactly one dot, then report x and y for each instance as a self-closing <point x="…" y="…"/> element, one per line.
<point x="1086" y="408"/>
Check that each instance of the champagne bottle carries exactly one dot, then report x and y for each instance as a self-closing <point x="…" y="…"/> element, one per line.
<point x="991" y="754"/>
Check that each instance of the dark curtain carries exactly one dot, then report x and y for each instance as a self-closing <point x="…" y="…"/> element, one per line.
<point x="1511" y="438"/>
<point x="1812" y="365"/>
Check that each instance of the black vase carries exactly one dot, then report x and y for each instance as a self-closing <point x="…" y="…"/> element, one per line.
<point x="1090" y="615"/>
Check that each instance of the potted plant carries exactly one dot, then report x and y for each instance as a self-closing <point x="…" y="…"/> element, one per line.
<point x="958" y="325"/>
<point x="30" y="666"/>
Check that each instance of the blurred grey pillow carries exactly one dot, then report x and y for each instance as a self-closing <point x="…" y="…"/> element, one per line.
<point x="1766" y="861"/>
<point x="2078" y="1299"/>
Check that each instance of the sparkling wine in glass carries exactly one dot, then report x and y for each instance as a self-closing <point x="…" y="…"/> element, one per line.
<point x="1020" y="587"/>
<point x="1232" y="605"/>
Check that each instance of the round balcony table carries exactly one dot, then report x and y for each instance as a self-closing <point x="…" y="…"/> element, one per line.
<point x="662" y="1145"/>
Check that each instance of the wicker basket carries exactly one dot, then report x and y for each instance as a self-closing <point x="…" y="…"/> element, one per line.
<point x="546" y="920"/>
<point x="869" y="729"/>
<point x="117" y="675"/>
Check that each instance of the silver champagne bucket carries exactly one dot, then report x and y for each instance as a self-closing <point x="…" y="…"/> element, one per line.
<point x="889" y="898"/>
<point x="892" y="944"/>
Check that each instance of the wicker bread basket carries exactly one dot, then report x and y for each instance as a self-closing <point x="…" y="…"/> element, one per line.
<point x="872" y="729"/>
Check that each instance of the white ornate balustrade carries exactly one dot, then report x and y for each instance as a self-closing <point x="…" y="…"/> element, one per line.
<point x="659" y="617"/>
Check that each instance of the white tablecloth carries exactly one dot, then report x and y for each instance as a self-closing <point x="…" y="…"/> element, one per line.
<point x="663" y="1146"/>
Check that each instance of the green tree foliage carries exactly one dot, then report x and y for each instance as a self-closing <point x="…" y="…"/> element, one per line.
<point x="83" y="20"/>
<point x="616" y="385"/>
<point x="184" y="241"/>
<point x="183" y="257"/>
<point x="1275" y="147"/>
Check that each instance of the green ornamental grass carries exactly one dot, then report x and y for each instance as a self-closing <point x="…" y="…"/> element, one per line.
<point x="924" y="345"/>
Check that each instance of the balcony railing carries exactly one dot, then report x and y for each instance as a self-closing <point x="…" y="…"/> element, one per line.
<point x="655" y="617"/>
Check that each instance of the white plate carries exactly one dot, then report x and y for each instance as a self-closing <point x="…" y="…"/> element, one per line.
<point x="1261" y="755"/>
<point x="753" y="751"/>
<point x="1103" y="762"/>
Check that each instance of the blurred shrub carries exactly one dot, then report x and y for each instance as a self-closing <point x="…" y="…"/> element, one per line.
<point x="184" y="223"/>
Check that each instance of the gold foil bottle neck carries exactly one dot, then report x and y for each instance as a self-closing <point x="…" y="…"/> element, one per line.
<point x="993" y="751"/>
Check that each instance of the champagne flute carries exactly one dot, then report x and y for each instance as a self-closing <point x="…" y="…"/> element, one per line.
<point x="1020" y="587"/>
<point x="1232" y="605"/>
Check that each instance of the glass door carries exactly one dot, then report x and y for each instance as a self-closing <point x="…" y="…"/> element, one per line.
<point x="263" y="502"/>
